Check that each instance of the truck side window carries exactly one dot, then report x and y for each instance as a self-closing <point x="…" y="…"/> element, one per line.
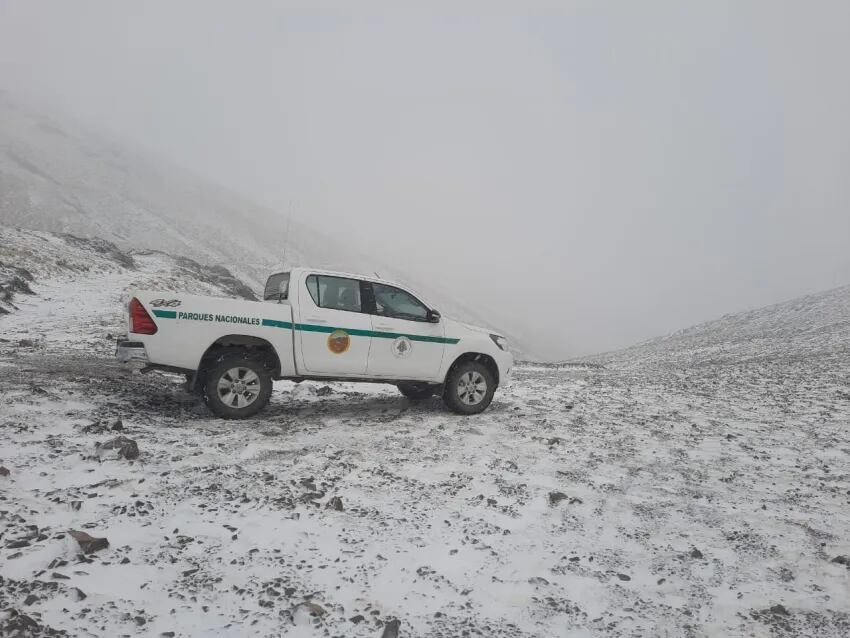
<point x="398" y="303"/>
<point x="335" y="293"/>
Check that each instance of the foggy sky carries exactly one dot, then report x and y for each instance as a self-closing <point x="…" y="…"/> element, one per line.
<point x="593" y="173"/>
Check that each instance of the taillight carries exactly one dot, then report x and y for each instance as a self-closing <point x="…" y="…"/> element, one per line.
<point x="141" y="322"/>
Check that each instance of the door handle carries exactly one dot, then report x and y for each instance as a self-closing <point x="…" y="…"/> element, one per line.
<point x="315" y="320"/>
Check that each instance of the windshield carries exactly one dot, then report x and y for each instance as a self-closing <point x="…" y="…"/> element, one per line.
<point x="277" y="287"/>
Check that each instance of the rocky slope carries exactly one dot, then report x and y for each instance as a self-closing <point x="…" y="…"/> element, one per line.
<point x="674" y="493"/>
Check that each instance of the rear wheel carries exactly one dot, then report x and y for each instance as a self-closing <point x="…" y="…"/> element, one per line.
<point x="416" y="391"/>
<point x="237" y="387"/>
<point x="469" y="388"/>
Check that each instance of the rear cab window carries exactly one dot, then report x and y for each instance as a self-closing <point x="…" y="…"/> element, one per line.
<point x="335" y="293"/>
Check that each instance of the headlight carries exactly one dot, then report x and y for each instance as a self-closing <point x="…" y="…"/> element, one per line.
<point x="500" y="341"/>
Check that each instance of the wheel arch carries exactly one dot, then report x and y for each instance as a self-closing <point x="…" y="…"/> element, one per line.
<point x="485" y="359"/>
<point x="235" y="343"/>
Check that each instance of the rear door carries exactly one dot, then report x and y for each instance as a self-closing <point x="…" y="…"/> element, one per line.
<point x="404" y="343"/>
<point x="333" y="331"/>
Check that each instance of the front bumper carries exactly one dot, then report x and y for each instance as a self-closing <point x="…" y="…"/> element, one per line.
<point x="131" y="351"/>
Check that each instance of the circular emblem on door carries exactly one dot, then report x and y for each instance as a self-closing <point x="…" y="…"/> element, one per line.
<point x="339" y="341"/>
<point x="402" y="347"/>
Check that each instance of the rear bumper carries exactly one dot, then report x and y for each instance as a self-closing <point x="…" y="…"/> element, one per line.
<point x="131" y="351"/>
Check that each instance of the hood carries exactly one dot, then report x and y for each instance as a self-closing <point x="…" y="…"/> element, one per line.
<point x="460" y="326"/>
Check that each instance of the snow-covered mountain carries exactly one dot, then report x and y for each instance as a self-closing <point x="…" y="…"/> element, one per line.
<point x="816" y="325"/>
<point x="59" y="177"/>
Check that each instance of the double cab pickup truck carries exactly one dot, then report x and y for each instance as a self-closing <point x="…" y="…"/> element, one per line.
<point x="314" y="325"/>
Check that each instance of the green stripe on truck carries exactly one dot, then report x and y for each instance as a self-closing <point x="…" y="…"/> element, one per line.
<point x="309" y="327"/>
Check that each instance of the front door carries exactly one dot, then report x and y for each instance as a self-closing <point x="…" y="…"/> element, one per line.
<point x="404" y="343"/>
<point x="333" y="331"/>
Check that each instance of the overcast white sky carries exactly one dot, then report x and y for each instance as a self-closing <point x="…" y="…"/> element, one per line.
<point x="602" y="172"/>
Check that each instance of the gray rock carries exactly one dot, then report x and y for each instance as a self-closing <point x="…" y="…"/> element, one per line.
<point x="335" y="504"/>
<point x="391" y="629"/>
<point x="556" y="497"/>
<point x="125" y="448"/>
<point x="4" y="471"/>
<point x="695" y="553"/>
<point x="89" y="544"/>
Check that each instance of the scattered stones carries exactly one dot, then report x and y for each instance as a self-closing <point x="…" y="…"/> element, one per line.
<point x="695" y="553"/>
<point x="89" y="544"/>
<point x="122" y="446"/>
<point x="26" y="343"/>
<point x="324" y="391"/>
<point x="842" y="560"/>
<point x="4" y="471"/>
<point x="537" y="580"/>
<point x="624" y="577"/>
<point x="59" y="576"/>
<point x="359" y="618"/>
<point x="304" y="613"/>
<point x="78" y="594"/>
<point x="29" y="600"/>
<point x="19" y="625"/>
<point x="335" y="504"/>
<point x="779" y="610"/>
<point x="391" y="629"/>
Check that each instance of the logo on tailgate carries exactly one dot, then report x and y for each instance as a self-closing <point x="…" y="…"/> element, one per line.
<point x="165" y="303"/>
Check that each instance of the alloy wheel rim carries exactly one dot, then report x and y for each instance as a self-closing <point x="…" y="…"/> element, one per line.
<point x="239" y="387"/>
<point x="471" y="388"/>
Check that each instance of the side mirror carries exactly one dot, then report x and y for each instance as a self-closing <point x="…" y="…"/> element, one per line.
<point x="434" y="316"/>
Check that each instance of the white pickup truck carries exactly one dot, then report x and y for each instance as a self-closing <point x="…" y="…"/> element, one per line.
<point x="314" y="324"/>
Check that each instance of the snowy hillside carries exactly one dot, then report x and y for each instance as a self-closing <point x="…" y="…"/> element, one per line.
<point x="61" y="178"/>
<point x="816" y="325"/>
<point x="639" y="498"/>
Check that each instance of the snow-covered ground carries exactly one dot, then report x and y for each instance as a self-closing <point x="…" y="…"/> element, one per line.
<point x="666" y="494"/>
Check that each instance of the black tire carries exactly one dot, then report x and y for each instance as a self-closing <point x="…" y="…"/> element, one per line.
<point x="458" y="378"/>
<point x="228" y="370"/>
<point x="416" y="391"/>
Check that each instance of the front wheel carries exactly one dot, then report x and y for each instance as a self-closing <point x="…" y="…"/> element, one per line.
<point x="237" y="387"/>
<point x="469" y="388"/>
